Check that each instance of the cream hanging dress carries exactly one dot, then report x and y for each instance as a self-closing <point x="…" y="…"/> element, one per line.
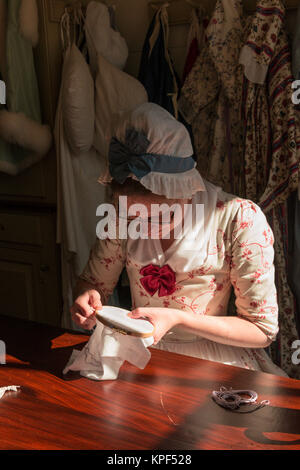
<point x="87" y="100"/>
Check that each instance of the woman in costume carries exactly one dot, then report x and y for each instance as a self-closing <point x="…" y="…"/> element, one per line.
<point x="181" y="280"/>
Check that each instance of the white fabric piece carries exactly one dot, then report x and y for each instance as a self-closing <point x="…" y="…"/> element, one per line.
<point x="167" y="136"/>
<point x="29" y="21"/>
<point x="174" y="185"/>
<point x="79" y="195"/>
<point x="102" y="39"/>
<point x="78" y="102"/>
<point x="254" y="72"/>
<point x="10" y="388"/>
<point x="116" y="92"/>
<point x="106" y="351"/>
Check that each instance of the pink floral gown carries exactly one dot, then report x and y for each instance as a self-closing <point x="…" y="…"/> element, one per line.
<point x="238" y="100"/>
<point x="234" y="249"/>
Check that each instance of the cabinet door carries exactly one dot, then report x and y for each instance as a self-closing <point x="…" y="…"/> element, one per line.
<point x="19" y="284"/>
<point x="29" y="267"/>
<point x="28" y="287"/>
<point x="35" y="185"/>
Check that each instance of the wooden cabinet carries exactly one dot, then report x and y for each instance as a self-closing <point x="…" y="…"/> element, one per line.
<point x="29" y="267"/>
<point x="37" y="185"/>
<point x="29" y="256"/>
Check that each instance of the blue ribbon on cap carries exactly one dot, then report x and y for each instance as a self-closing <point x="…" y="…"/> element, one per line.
<point x="132" y="158"/>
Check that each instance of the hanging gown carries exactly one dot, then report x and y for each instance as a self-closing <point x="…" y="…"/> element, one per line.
<point x="260" y="116"/>
<point x="234" y="249"/>
<point x="209" y="101"/>
<point x="79" y="193"/>
<point x="272" y="163"/>
<point x="157" y="73"/>
<point x="195" y="39"/>
<point x="272" y="140"/>
<point x="248" y="62"/>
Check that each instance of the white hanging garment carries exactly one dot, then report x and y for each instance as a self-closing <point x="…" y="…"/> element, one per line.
<point x="102" y="39"/>
<point x="116" y="93"/>
<point x="79" y="195"/>
<point x="78" y="105"/>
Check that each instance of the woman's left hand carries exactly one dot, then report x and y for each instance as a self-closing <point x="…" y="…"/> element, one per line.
<point x="163" y="319"/>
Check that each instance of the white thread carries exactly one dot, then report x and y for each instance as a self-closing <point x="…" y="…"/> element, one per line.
<point x="163" y="407"/>
<point x="233" y="399"/>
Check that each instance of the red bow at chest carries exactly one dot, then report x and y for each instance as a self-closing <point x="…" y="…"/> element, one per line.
<point x="158" y="279"/>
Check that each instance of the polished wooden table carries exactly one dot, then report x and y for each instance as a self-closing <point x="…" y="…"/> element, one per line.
<point x="166" y="406"/>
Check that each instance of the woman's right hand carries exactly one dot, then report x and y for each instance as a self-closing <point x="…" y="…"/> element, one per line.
<point x="83" y="309"/>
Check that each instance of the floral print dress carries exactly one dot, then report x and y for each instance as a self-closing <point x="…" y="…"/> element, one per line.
<point x="272" y="136"/>
<point x="211" y="98"/>
<point x="238" y="100"/>
<point x="236" y="252"/>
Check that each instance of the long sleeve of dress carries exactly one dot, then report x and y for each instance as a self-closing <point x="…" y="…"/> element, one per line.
<point x="106" y="262"/>
<point x="252" y="268"/>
